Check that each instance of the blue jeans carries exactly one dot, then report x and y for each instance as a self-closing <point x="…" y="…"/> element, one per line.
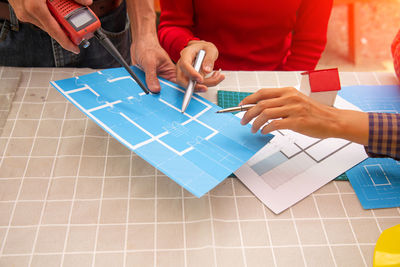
<point x="28" y="46"/>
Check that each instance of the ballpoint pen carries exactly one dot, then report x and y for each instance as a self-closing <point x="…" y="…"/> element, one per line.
<point x="238" y="108"/>
<point x="190" y="89"/>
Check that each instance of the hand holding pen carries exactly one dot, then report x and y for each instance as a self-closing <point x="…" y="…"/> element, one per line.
<point x="186" y="72"/>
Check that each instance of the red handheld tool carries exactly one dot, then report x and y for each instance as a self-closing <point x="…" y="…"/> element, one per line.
<point x="80" y="23"/>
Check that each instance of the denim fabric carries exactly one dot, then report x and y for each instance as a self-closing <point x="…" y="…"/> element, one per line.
<point x="32" y="47"/>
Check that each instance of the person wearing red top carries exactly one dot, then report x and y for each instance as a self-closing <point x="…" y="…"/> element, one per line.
<point x="242" y="35"/>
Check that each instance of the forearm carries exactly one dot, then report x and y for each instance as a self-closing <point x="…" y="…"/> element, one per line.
<point x="352" y="125"/>
<point x="142" y="18"/>
<point x="176" y="26"/>
<point x="309" y="34"/>
<point x="304" y="55"/>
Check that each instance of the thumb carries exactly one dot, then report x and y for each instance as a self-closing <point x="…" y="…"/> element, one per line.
<point x="151" y="77"/>
<point x="84" y="2"/>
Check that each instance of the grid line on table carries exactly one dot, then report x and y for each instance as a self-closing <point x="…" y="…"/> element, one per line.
<point x="324" y="229"/>
<point x="184" y="226"/>
<point x="212" y="228"/>
<point x="191" y="221"/>
<point x="351" y="227"/>
<point x="262" y="205"/>
<point x="22" y="180"/>
<point x="74" y="193"/>
<point x="298" y="237"/>
<point x="125" y="198"/>
<point x="128" y="210"/>
<point x="49" y="180"/>
<point x="189" y="249"/>
<point x="239" y="224"/>
<point x="155" y="220"/>
<point x="100" y="203"/>
<point x="268" y="233"/>
<point x="357" y="78"/>
<point x="376" y="78"/>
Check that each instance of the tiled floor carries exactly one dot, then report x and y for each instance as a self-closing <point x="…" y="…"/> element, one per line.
<point x="72" y="196"/>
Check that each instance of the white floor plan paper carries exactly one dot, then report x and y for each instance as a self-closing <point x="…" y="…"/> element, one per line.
<point x="293" y="165"/>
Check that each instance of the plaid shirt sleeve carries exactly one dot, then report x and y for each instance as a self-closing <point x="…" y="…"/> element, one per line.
<point x="384" y="135"/>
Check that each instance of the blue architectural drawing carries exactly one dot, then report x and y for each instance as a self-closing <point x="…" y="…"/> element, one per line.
<point x="197" y="149"/>
<point x="375" y="181"/>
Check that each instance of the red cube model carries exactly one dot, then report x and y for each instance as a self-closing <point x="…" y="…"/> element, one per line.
<point x="321" y="85"/>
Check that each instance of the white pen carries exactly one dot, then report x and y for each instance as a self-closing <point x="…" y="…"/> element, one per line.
<point x="190" y="89"/>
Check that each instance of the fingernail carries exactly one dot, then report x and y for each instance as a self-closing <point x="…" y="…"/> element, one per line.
<point x="208" y="68"/>
<point x="240" y="103"/>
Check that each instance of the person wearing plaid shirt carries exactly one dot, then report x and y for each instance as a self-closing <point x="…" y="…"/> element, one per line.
<point x="378" y="132"/>
<point x="384" y="128"/>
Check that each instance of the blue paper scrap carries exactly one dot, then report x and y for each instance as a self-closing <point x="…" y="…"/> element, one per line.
<point x="197" y="149"/>
<point x="376" y="181"/>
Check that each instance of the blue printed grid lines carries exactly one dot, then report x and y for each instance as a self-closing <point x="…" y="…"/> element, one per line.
<point x="197" y="149"/>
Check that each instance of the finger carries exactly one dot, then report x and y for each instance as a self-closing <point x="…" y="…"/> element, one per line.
<point x="262" y="94"/>
<point x="52" y="27"/>
<point x="187" y="59"/>
<point x="150" y="69"/>
<point x="209" y="59"/>
<point x="201" y="88"/>
<point x="277" y="125"/>
<point x="251" y="114"/>
<point x="260" y="107"/>
<point x="84" y="2"/>
<point x="181" y="79"/>
<point x="266" y="115"/>
<point x="168" y="71"/>
<point x="214" y="80"/>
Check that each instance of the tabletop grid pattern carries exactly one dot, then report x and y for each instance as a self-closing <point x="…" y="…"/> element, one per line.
<point x="72" y="196"/>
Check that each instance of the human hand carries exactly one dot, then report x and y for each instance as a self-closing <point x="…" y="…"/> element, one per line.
<point x="185" y="70"/>
<point x="290" y="109"/>
<point x="37" y="13"/>
<point x="148" y="54"/>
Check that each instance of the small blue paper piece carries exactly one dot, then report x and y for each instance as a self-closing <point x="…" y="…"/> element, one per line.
<point x="197" y="149"/>
<point x="376" y="181"/>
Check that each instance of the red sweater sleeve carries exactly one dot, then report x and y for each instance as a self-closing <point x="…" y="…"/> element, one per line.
<point x="176" y="26"/>
<point x="309" y="35"/>
<point x="396" y="54"/>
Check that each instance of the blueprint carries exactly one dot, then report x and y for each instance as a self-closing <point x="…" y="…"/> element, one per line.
<point x="292" y="166"/>
<point x="197" y="149"/>
<point x="375" y="181"/>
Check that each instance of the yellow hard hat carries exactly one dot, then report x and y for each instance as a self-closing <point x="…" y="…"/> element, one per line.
<point x="387" y="248"/>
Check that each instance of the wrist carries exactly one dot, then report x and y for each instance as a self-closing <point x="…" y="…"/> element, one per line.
<point x="352" y="125"/>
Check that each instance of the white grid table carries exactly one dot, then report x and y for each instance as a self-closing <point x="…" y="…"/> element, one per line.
<point x="72" y="196"/>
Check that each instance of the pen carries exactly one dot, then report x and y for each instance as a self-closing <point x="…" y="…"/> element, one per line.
<point x="190" y="89"/>
<point x="238" y="108"/>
